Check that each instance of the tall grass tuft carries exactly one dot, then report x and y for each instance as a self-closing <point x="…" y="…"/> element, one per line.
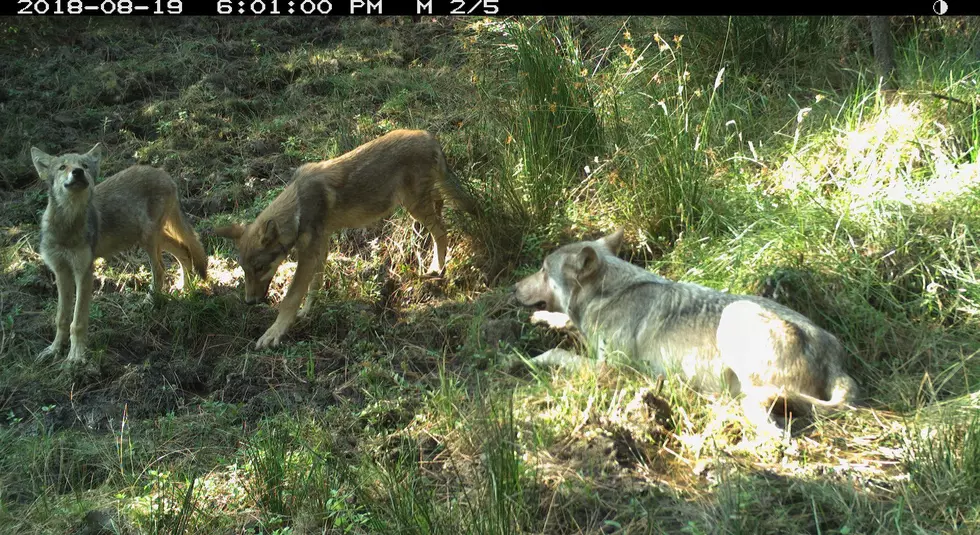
<point x="546" y="107"/>
<point x="556" y="128"/>
<point x="294" y="481"/>
<point x="669" y="134"/>
<point x="508" y="485"/>
<point x="400" y="499"/>
<point x="942" y="457"/>
<point x="267" y="456"/>
<point x="494" y="495"/>
<point x="762" y="44"/>
<point x="171" y="506"/>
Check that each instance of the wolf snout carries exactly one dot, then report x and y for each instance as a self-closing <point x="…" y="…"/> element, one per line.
<point x="525" y="298"/>
<point x="516" y="297"/>
<point x="76" y="180"/>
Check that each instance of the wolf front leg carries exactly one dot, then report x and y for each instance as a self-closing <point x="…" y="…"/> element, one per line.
<point x="310" y="259"/>
<point x="66" y="295"/>
<point x="427" y="210"/>
<point x="154" y="251"/>
<point x="79" y="325"/>
<point x="757" y="405"/>
<point x="555" y="320"/>
<point x="562" y="358"/>
<point x="317" y="279"/>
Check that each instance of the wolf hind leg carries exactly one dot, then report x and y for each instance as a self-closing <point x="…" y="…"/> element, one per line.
<point x="180" y="236"/>
<point x="154" y="250"/>
<point x="427" y="210"/>
<point x="180" y="252"/>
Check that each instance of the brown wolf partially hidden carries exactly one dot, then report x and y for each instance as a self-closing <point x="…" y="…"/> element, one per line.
<point x="403" y="167"/>
<point x="137" y="206"/>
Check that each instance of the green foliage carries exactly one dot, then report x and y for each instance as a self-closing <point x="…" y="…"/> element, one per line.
<point x="753" y="155"/>
<point x="508" y="485"/>
<point x="291" y="479"/>
<point x="668" y="129"/>
<point x="942" y="455"/>
<point x="169" y="505"/>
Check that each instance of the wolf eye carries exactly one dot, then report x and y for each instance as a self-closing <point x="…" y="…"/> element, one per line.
<point x="62" y="167"/>
<point x="84" y="166"/>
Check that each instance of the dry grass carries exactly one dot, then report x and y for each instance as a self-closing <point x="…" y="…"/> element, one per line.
<point x="394" y="406"/>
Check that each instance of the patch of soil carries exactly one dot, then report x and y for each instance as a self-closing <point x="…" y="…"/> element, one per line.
<point x="131" y="390"/>
<point x="272" y="384"/>
<point x="416" y="362"/>
<point x="501" y="333"/>
<point x="620" y="439"/>
<point x="142" y="381"/>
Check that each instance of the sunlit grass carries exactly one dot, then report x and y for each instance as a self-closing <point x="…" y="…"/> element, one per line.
<point x="741" y="154"/>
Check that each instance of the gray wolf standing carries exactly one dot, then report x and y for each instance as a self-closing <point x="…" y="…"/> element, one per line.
<point x="356" y="189"/>
<point x="714" y="340"/>
<point x="84" y="221"/>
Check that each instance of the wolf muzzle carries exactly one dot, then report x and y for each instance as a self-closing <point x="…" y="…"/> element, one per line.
<point x="533" y="291"/>
<point x="255" y="298"/>
<point x="520" y="297"/>
<point x="76" y="180"/>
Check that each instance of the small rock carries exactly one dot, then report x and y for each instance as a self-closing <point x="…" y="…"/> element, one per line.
<point x="101" y="522"/>
<point x="498" y="332"/>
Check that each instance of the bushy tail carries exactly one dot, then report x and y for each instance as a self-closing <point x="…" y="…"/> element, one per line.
<point x="842" y="391"/>
<point x="180" y="231"/>
<point x="452" y="188"/>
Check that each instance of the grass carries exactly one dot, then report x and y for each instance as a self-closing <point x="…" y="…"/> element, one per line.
<point x="753" y="155"/>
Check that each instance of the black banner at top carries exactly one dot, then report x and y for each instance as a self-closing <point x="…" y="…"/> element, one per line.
<point x="494" y="8"/>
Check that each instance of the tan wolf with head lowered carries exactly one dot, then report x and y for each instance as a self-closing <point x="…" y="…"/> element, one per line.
<point x="356" y="189"/>
<point x="84" y="221"/>
<point x="716" y="341"/>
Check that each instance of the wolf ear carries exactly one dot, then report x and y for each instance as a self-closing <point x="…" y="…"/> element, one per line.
<point x="232" y="231"/>
<point x="613" y="241"/>
<point x="587" y="263"/>
<point x="42" y="161"/>
<point x="95" y="155"/>
<point x="271" y="233"/>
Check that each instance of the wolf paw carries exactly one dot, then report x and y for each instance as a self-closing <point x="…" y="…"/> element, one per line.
<point x="77" y="363"/>
<point x="435" y="270"/>
<point x="80" y="369"/>
<point x="271" y="337"/>
<point x="52" y="350"/>
<point x="76" y="355"/>
<point x="555" y="320"/>
<point x="153" y="299"/>
<point x="563" y="359"/>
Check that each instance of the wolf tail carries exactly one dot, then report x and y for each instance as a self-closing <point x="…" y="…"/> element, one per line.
<point x="181" y="236"/>
<point x="842" y="390"/>
<point x="452" y="187"/>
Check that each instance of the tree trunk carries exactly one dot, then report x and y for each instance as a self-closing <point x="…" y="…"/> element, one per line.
<point x="884" y="50"/>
